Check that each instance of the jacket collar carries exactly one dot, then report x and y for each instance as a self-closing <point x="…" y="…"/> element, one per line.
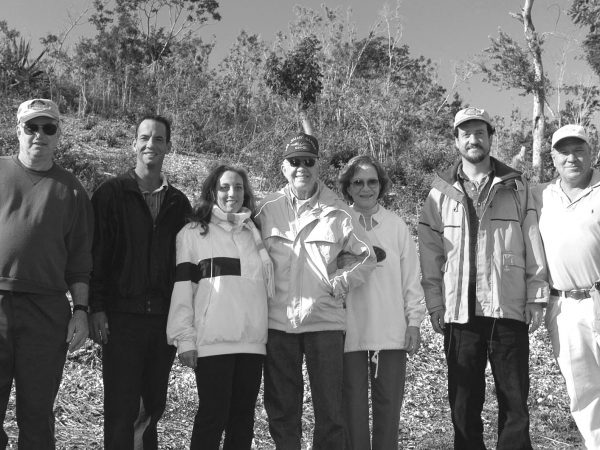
<point x="130" y="183"/>
<point x="447" y="182"/>
<point x="321" y="203"/>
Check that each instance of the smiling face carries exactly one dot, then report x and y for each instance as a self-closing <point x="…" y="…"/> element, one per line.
<point x="302" y="179"/>
<point x="36" y="148"/>
<point x="364" y="188"/>
<point x="572" y="158"/>
<point x="150" y="144"/>
<point x="230" y="192"/>
<point x="473" y="141"/>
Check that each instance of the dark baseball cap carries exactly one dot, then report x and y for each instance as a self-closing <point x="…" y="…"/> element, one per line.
<point x="303" y="145"/>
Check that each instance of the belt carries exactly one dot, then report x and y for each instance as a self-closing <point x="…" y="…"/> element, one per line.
<point x="575" y="294"/>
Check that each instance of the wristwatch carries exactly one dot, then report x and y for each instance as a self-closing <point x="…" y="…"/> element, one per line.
<point x="83" y="308"/>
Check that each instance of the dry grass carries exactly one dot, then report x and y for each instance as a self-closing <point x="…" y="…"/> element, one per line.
<point x="425" y="422"/>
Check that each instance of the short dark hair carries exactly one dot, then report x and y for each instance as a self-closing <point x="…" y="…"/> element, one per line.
<point x="156" y="118"/>
<point x="345" y="176"/>
<point x="490" y="129"/>
<point x="202" y="212"/>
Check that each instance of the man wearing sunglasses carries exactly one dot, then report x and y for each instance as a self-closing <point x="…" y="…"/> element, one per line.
<point x="46" y="228"/>
<point x="484" y="277"/>
<point x="305" y="227"/>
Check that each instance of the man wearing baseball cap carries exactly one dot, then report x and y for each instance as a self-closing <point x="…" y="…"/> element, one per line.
<point x="484" y="280"/>
<point x="45" y="249"/>
<point x="569" y="210"/>
<point x="305" y="227"/>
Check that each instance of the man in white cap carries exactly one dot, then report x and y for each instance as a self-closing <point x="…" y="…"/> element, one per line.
<point x="569" y="209"/>
<point x="484" y="279"/>
<point x="305" y="227"/>
<point x="46" y="224"/>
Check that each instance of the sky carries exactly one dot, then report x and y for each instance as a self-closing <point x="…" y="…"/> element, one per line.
<point x="446" y="31"/>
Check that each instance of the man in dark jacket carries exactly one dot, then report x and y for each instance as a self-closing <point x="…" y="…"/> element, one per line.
<point x="137" y="216"/>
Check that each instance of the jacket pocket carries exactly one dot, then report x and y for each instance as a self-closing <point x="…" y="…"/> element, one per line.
<point x="512" y="278"/>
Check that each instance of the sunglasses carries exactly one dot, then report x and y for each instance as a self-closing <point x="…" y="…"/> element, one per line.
<point x="49" y="129"/>
<point x="372" y="183"/>
<point x="306" y="162"/>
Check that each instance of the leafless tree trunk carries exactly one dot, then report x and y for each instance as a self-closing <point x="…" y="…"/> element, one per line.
<point x="539" y="94"/>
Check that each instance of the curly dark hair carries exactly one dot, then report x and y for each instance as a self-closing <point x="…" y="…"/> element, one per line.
<point x="202" y="212"/>
<point x="348" y="171"/>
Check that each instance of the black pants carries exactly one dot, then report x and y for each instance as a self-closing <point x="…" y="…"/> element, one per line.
<point x="468" y="346"/>
<point x="136" y="363"/>
<point x="33" y="349"/>
<point x="227" y="389"/>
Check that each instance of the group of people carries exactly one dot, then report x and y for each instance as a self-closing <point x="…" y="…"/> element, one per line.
<point x="238" y="288"/>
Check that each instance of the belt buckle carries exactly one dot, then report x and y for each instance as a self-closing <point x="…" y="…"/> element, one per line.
<point x="578" y="294"/>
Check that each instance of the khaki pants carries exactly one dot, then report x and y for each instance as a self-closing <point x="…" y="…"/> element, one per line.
<point x="573" y="329"/>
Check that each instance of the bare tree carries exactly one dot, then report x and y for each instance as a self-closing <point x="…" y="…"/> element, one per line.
<point x="509" y="65"/>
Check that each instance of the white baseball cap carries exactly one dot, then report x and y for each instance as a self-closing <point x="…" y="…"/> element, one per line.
<point x="466" y="114"/>
<point x="37" y="107"/>
<point x="570" y="131"/>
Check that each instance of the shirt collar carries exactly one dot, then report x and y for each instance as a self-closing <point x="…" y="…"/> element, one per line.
<point x="311" y="202"/>
<point x="461" y="174"/>
<point x="163" y="178"/>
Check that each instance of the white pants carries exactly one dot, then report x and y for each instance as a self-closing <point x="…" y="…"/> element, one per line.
<point x="574" y="333"/>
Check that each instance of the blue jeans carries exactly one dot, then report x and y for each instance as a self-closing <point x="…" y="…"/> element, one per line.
<point x="387" y="392"/>
<point x="468" y="346"/>
<point x="284" y="387"/>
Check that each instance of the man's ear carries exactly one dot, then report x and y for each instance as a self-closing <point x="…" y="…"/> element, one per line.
<point x="169" y="146"/>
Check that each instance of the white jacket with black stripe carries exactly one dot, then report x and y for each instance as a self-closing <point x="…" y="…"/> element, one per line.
<point x="219" y="301"/>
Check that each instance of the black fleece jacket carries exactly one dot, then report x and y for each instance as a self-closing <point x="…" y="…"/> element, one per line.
<point x="134" y="256"/>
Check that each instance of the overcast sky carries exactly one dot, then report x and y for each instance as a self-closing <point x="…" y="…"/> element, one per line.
<point x="447" y="31"/>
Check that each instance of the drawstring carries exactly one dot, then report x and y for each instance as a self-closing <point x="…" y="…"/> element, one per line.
<point x="375" y="360"/>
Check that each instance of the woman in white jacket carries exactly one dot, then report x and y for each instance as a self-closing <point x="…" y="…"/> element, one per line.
<point x="218" y="314"/>
<point x="383" y="315"/>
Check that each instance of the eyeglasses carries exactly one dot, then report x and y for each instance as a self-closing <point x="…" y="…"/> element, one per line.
<point x="49" y="129"/>
<point x="306" y="162"/>
<point x="372" y="183"/>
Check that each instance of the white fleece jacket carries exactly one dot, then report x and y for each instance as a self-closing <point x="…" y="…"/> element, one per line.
<point x="219" y="301"/>
<point x="379" y="311"/>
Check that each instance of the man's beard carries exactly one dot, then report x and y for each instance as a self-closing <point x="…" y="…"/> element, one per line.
<point x="475" y="158"/>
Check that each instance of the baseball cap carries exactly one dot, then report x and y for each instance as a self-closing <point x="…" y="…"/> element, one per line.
<point x="302" y="145"/>
<point x="466" y="114"/>
<point x="37" y="107"/>
<point x="574" y="131"/>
